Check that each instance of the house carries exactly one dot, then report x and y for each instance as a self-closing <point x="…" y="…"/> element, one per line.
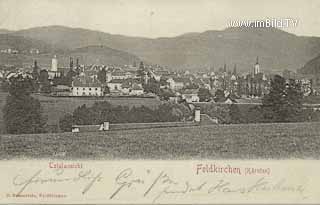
<point x="119" y="75"/>
<point x="178" y="83"/>
<point x="115" y="85"/>
<point x="61" y="90"/>
<point x="126" y="87"/>
<point x="136" y="89"/>
<point x="155" y="75"/>
<point x="190" y="95"/>
<point x="86" y="86"/>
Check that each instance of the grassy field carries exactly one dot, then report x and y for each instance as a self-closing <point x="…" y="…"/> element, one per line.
<point x="56" y="107"/>
<point x="250" y="141"/>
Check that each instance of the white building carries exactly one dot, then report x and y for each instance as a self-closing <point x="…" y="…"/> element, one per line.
<point x="86" y="87"/>
<point x="119" y="75"/>
<point x="176" y="83"/>
<point x="53" y="72"/>
<point x="256" y="68"/>
<point x="54" y="64"/>
<point x="115" y="85"/>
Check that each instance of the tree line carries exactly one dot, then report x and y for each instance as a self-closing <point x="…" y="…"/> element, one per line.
<point x="103" y="111"/>
<point x="283" y="103"/>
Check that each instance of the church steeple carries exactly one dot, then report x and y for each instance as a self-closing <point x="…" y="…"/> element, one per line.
<point x="35" y="64"/>
<point x="235" y="69"/>
<point x="71" y="63"/>
<point x="256" y="68"/>
<point x="225" y="67"/>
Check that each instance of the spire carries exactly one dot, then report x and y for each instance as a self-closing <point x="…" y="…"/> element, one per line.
<point x="256" y="68"/>
<point x="71" y="63"/>
<point x="235" y="69"/>
<point x="35" y="64"/>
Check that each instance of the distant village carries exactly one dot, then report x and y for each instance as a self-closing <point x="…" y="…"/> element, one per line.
<point x="140" y="80"/>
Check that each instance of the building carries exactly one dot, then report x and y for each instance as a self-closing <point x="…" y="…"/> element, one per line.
<point x="256" y="68"/>
<point x="136" y="89"/>
<point x="190" y="95"/>
<point x="86" y="87"/>
<point x="34" y="51"/>
<point x="54" y="64"/>
<point x="178" y="83"/>
<point x="119" y="75"/>
<point x="115" y="85"/>
<point x="54" y="72"/>
<point x="61" y="90"/>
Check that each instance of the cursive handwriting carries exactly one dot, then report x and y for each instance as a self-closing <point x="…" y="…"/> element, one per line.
<point x="163" y="185"/>
<point x="88" y="176"/>
<point x="157" y="185"/>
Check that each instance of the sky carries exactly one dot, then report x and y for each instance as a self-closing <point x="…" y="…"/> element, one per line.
<point x="157" y="18"/>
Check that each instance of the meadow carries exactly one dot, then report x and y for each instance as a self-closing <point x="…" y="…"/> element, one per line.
<point x="56" y="107"/>
<point x="241" y="141"/>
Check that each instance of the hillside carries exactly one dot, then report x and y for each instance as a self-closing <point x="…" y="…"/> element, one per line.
<point x="312" y="67"/>
<point x="4" y="31"/>
<point x="23" y="43"/>
<point x="104" y="55"/>
<point x="277" y="50"/>
<point x="87" y="55"/>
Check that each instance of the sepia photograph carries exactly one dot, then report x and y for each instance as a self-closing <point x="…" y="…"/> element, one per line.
<point x="163" y="81"/>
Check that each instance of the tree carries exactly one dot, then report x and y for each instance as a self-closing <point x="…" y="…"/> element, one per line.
<point x="44" y="76"/>
<point x="69" y="77"/>
<point x="152" y="87"/>
<point x="219" y="111"/>
<point x="274" y="102"/>
<point x="165" y="94"/>
<point x="5" y="85"/>
<point x="45" y="85"/>
<point x="284" y="101"/>
<point x="102" y="75"/>
<point x="293" y="101"/>
<point x="106" y="90"/>
<point x="219" y="96"/>
<point x="204" y="95"/>
<point x="22" y="113"/>
<point x="66" y="122"/>
<point x="141" y="71"/>
<point x="35" y="71"/>
<point x="82" y="116"/>
<point x="141" y="114"/>
<point x="235" y="114"/>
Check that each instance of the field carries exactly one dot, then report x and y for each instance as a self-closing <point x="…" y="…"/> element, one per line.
<point x="56" y="107"/>
<point x="247" y="141"/>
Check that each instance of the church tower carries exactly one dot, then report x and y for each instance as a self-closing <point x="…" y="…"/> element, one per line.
<point x="54" y="64"/>
<point x="256" y="68"/>
<point x="71" y="63"/>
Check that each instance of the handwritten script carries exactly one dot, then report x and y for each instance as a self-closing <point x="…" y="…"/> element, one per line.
<point x="154" y="185"/>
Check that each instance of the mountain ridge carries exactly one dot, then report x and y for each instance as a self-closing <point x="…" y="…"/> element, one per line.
<point x="86" y="55"/>
<point x="277" y="49"/>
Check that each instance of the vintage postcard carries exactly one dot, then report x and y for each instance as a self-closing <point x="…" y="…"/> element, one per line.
<point x="159" y="102"/>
